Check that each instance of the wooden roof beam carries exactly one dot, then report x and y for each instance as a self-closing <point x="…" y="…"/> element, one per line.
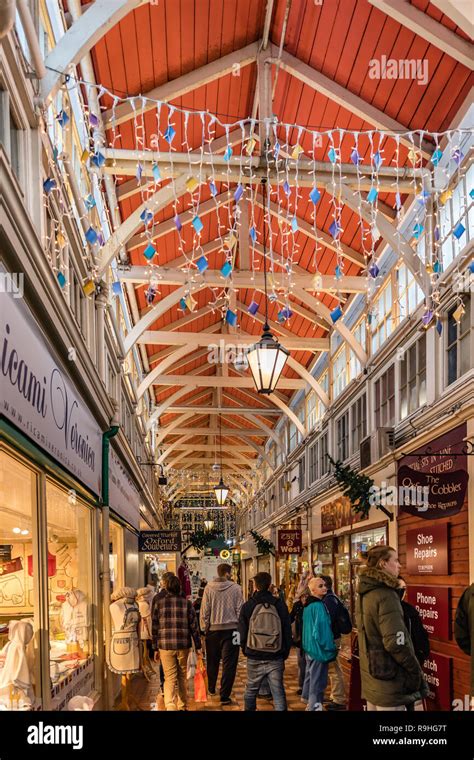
<point x="81" y="37"/>
<point x="429" y="29"/>
<point x="344" y="97"/>
<point x="180" y="86"/>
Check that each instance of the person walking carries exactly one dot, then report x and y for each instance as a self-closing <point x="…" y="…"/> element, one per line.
<point x="340" y="624"/>
<point x="174" y="628"/>
<point x="464" y="627"/>
<point x="219" y="615"/>
<point x="318" y="645"/>
<point x="390" y="672"/>
<point x="296" y="619"/>
<point x="265" y="638"/>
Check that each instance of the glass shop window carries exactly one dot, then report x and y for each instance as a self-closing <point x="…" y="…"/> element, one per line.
<point x="342" y="426"/>
<point x="358" y="422"/>
<point x="409" y="292"/>
<point x="381" y="325"/>
<point x="385" y="399"/>
<point x="458" y="341"/>
<point x="413" y="378"/>
<point x="70" y="589"/>
<point x="363" y="541"/>
<point x="19" y="616"/>
<point x="116" y="562"/>
<point x="339" y="370"/>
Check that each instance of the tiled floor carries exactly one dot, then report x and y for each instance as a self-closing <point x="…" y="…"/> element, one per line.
<point x="148" y="694"/>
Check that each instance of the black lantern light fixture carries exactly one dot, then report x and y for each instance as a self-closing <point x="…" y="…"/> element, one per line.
<point x="221" y="489"/>
<point x="266" y="358"/>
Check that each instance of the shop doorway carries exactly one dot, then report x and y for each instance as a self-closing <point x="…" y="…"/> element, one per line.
<point x="155" y="564"/>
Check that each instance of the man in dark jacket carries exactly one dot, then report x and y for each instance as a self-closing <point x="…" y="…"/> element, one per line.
<point x="464" y="627"/>
<point x="265" y="638"/>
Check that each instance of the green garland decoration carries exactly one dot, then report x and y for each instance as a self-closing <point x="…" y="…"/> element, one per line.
<point x="356" y="487"/>
<point x="264" y="546"/>
<point x="201" y="538"/>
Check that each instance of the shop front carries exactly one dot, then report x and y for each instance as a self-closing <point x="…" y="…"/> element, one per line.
<point x="343" y="540"/>
<point x="49" y="562"/>
<point x="433" y="541"/>
<point x="159" y="552"/>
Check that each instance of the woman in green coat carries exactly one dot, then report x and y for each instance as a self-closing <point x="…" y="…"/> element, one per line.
<point x="390" y="672"/>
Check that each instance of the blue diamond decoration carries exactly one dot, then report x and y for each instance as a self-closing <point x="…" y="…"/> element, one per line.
<point x="156" y="172"/>
<point x="439" y="327"/>
<point x="89" y="201"/>
<point x="253" y="234"/>
<point x="49" y="184"/>
<point x="169" y="134"/>
<point x="276" y="150"/>
<point x="436" y="157"/>
<point x="315" y="195"/>
<point x="286" y="188"/>
<point x="178" y="224"/>
<point x="202" y="264"/>
<point x="61" y="279"/>
<point x="459" y="230"/>
<point x="117" y="288"/>
<point x="294" y="224"/>
<point x="336" y="314"/>
<point x="197" y="224"/>
<point x="149" y="252"/>
<point x="417" y="230"/>
<point x="377" y="159"/>
<point x="98" y="159"/>
<point x="226" y="269"/>
<point x="372" y="196"/>
<point x="213" y="188"/>
<point x="228" y="153"/>
<point x="231" y="318"/>
<point x="238" y="193"/>
<point x="253" y="308"/>
<point x="334" y="229"/>
<point x="183" y="305"/>
<point x="91" y="235"/>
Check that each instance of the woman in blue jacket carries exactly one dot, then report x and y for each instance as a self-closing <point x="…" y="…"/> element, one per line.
<point x="318" y="644"/>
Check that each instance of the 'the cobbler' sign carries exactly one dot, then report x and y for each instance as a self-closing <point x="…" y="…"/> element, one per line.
<point x="439" y="469"/>
<point x="39" y="399"/>
<point x="159" y="541"/>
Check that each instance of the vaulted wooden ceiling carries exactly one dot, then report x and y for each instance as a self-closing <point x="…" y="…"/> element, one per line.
<point x="161" y="43"/>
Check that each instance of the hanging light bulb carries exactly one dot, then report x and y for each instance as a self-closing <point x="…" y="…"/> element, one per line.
<point x="221" y="489"/>
<point x="266" y="358"/>
<point x="208" y="522"/>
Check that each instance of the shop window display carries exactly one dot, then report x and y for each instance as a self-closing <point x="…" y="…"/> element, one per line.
<point x="69" y="586"/>
<point x="116" y="556"/>
<point x="19" y="663"/>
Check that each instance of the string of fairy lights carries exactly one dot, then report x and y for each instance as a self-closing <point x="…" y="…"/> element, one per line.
<point x="307" y="172"/>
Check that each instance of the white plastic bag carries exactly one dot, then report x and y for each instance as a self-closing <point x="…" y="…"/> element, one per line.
<point x="191" y="668"/>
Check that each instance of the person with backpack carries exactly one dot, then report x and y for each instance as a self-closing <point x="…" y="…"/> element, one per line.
<point x="318" y="645"/>
<point x="390" y="673"/>
<point x="174" y="627"/>
<point x="219" y="615"/>
<point x="341" y="624"/>
<point x="265" y="638"/>
<point x="296" y="619"/>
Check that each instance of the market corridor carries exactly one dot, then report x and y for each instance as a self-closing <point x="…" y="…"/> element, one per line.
<point x="148" y="694"/>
